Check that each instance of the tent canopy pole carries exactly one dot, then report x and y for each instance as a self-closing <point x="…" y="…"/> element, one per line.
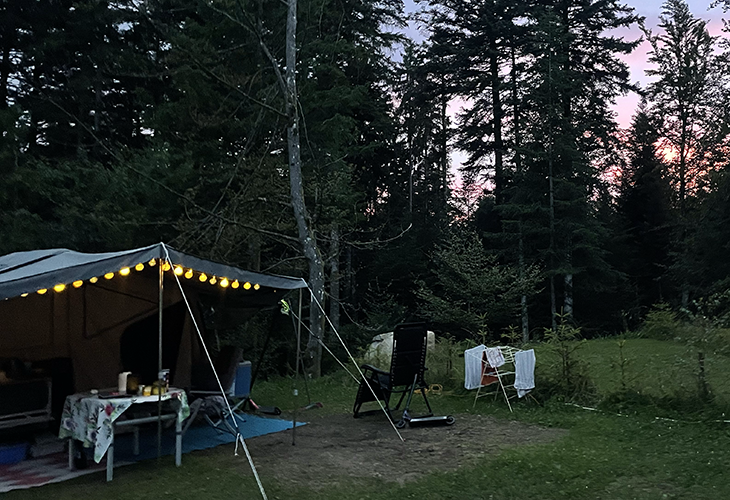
<point x="160" y="289"/>
<point x="296" y="373"/>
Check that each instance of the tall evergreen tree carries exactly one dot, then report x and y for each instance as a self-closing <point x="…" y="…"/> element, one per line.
<point x="646" y="219"/>
<point x="685" y="97"/>
<point x="577" y="74"/>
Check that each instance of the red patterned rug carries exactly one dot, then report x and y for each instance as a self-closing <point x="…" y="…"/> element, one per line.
<point x="39" y="471"/>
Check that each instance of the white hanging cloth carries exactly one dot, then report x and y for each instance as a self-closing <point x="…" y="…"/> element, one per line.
<point x="473" y="367"/>
<point x="524" y="371"/>
<point x="495" y="358"/>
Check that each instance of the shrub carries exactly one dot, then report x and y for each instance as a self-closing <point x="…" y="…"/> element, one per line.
<point x="662" y="324"/>
<point x="568" y="376"/>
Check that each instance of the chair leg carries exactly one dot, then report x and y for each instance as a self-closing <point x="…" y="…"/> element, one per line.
<point x="194" y="409"/>
<point x="408" y="403"/>
<point x="403" y="395"/>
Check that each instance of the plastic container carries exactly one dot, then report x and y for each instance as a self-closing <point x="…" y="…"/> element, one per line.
<point x="13" y="453"/>
<point x="241" y="387"/>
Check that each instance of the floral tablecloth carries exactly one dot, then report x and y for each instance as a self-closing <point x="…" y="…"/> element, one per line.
<point x="88" y="418"/>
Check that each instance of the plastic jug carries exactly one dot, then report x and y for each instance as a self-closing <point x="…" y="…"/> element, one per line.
<point x="122" y="382"/>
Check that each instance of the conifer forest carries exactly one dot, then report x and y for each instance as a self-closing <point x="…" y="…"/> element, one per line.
<point x="455" y="161"/>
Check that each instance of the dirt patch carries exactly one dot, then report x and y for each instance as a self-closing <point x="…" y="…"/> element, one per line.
<point x="333" y="447"/>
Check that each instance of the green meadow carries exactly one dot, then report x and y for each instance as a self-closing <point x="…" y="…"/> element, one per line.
<point x="644" y="436"/>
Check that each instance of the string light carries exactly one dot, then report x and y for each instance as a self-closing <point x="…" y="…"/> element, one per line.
<point x="108" y="276"/>
<point x="24" y="294"/>
<point x="212" y="280"/>
<point x="203" y="278"/>
<point x="256" y="286"/>
<point x="124" y="271"/>
<point x="189" y="273"/>
<point x="166" y="266"/>
<point x="77" y="284"/>
<point x="179" y="271"/>
<point x="152" y="262"/>
<point x="224" y="282"/>
<point x="42" y="291"/>
<point x="139" y="267"/>
<point x="247" y="286"/>
<point x="93" y="280"/>
<point x="59" y="288"/>
<point x="235" y="284"/>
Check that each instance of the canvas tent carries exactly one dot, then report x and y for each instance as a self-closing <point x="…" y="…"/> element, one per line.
<point x="64" y="304"/>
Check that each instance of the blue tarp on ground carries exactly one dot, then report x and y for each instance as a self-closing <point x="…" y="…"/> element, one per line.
<point x="198" y="437"/>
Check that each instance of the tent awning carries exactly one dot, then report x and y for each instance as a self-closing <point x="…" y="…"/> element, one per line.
<point x="28" y="272"/>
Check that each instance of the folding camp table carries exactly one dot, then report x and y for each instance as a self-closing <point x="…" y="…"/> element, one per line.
<point x="92" y="420"/>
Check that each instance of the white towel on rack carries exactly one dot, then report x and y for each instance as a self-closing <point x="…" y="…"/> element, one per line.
<point x="495" y="358"/>
<point x="524" y="371"/>
<point x="473" y="367"/>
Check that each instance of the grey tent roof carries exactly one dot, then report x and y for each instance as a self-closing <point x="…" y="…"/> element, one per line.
<point x="26" y="272"/>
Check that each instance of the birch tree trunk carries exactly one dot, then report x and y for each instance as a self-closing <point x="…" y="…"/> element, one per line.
<point x="334" y="264"/>
<point x="304" y="227"/>
<point x="525" y="317"/>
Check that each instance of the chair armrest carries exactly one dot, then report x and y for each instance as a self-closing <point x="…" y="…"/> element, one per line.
<point x="374" y="370"/>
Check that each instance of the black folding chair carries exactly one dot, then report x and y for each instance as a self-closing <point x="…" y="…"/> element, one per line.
<point x="405" y="377"/>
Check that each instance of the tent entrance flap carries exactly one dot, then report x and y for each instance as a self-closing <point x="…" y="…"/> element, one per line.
<point x="139" y="343"/>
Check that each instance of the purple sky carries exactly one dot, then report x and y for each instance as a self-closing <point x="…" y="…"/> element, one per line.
<point x="651" y="9"/>
<point x="625" y="105"/>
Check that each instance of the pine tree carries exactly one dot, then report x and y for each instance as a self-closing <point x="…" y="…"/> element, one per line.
<point x="646" y="218"/>
<point x="577" y="75"/>
<point x="685" y="97"/>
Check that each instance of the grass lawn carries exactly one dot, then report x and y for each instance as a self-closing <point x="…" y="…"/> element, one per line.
<point x="660" y="368"/>
<point x="602" y="456"/>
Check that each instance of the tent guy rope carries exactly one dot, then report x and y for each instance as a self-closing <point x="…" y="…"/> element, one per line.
<point x="239" y="438"/>
<point x="364" y="379"/>
<point x="287" y="310"/>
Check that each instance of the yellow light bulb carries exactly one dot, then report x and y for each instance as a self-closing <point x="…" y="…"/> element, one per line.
<point x="139" y="267"/>
<point x="24" y="294"/>
<point x="256" y="286"/>
<point x="212" y="280"/>
<point x="108" y="276"/>
<point x="78" y="283"/>
<point x="179" y="271"/>
<point x="124" y="271"/>
<point x="42" y="291"/>
<point x="235" y="284"/>
<point x="247" y="286"/>
<point x="166" y="266"/>
<point x="93" y="280"/>
<point x="189" y="273"/>
<point x="59" y="288"/>
<point x="224" y="282"/>
<point x="203" y="278"/>
<point x="152" y="262"/>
